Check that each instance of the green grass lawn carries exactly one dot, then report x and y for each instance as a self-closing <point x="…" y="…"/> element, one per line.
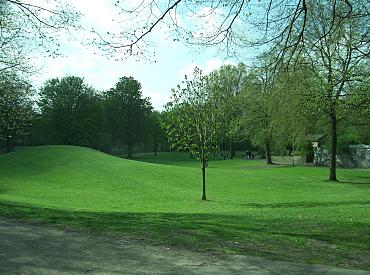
<point x="184" y="159"/>
<point x="278" y="212"/>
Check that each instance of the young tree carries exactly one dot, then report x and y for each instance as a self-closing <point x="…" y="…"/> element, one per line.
<point x="71" y="112"/>
<point x="127" y="113"/>
<point x="16" y="108"/>
<point x="191" y="120"/>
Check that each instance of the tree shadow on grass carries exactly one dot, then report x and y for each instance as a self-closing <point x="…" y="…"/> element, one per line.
<point x="361" y="179"/>
<point x="364" y="183"/>
<point x="3" y="190"/>
<point x="280" y="238"/>
<point x="297" y="204"/>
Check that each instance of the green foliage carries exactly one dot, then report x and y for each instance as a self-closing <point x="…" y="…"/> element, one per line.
<point x="16" y="108"/>
<point x="355" y="129"/>
<point x="71" y="113"/>
<point x="127" y="113"/>
<point x="259" y="115"/>
<point x="336" y="52"/>
<point x="191" y="119"/>
<point x="298" y="115"/>
<point x="227" y="83"/>
<point x="156" y="136"/>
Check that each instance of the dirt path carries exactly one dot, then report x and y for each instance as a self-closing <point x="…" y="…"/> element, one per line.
<point x="27" y="248"/>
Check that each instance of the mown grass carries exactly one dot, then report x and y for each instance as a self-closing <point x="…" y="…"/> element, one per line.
<point x="286" y="213"/>
<point x="185" y="160"/>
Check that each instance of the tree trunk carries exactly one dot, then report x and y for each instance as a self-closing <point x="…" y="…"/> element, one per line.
<point x="232" y="153"/>
<point x="333" y="157"/>
<point x="129" y="150"/>
<point x="155" y="148"/>
<point x="268" y="152"/>
<point x="204" y="181"/>
<point x="9" y="145"/>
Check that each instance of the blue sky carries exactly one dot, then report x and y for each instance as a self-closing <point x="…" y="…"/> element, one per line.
<point x="173" y="59"/>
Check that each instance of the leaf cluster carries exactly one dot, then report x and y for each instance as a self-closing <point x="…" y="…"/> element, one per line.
<point x="191" y="118"/>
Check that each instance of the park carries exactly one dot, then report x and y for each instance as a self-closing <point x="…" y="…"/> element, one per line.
<point x="281" y="212"/>
<point x="259" y="164"/>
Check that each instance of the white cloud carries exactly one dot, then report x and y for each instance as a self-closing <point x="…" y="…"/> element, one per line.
<point x="174" y="60"/>
<point x="99" y="14"/>
<point x="209" y="66"/>
<point x="214" y="64"/>
<point x="188" y="70"/>
<point x="156" y="98"/>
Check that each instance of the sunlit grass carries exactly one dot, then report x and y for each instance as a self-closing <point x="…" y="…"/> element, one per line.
<point x="288" y="213"/>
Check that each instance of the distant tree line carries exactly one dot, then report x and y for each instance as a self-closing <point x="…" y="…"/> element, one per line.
<point x="269" y="111"/>
<point x="69" y="111"/>
<point x="325" y="42"/>
<point x="312" y="79"/>
<point x="265" y="111"/>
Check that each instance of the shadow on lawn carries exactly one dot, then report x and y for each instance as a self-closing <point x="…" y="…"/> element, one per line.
<point x="309" y="240"/>
<point x="364" y="183"/>
<point x="296" y="204"/>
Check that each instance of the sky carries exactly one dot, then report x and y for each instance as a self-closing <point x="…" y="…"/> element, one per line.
<point x="174" y="60"/>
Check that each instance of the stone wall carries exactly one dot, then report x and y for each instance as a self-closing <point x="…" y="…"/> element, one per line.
<point x="321" y="157"/>
<point x="357" y="156"/>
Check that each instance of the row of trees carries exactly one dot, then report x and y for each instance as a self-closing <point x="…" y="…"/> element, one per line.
<point x="276" y="110"/>
<point x="68" y="111"/>
<point x="316" y="69"/>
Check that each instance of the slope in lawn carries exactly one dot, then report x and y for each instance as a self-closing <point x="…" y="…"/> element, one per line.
<point x="289" y="213"/>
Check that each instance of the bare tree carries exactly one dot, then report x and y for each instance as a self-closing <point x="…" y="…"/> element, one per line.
<point x="229" y="25"/>
<point x="27" y="28"/>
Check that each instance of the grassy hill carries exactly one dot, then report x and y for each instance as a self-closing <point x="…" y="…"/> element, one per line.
<point x="288" y="213"/>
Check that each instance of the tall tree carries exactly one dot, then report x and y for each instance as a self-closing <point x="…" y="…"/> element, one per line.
<point x="226" y="84"/>
<point x="71" y="112"/>
<point x="127" y="113"/>
<point x="191" y="120"/>
<point x="259" y="113"/>
<point x="336" y="50"/>
<point x="16" y="108"/>
<point x="296" y="118"/>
